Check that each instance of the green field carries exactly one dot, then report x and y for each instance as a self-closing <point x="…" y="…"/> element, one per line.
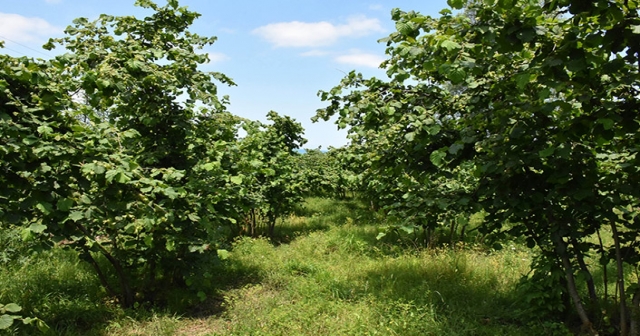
<point x="326" y="274"/>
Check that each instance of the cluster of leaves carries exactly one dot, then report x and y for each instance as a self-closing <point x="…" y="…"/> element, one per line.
<point x="271" y="184"/>
<point x="326" y="173"/>
<point x="525" y="110"/>
<point x="397" y="149"/>
<point x="7" y="317"/>
<point x="121" y="150"/>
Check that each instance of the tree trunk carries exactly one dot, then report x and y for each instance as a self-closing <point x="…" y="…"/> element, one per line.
<point x="635" y="313"/>
<point x="151" y="287"/>
<point x="252" y="223"/>
<point x="591" y="287"/>
<point x="624" y="317"/>
<point x="271" y="218"/>
<point x="452" y="232"/>
<point x="103" y="279"/>
<point x="464" y="227"/>
<point x="127" y="294"/>
<point x="426" y="233"/>
<point x="605" y="277"/>
<point x="561" y="249"/>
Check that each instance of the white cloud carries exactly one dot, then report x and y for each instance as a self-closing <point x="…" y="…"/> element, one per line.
<point x="216" y="57"/>
<point x="314" y="53"/>
<point x="358" y="58"/>
<point x="227" y="30"/>
<point x="19" y="28"/>
<point x="316" y="34"/>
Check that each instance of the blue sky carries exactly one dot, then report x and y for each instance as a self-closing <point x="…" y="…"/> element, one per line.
<point x="280" y="53"/>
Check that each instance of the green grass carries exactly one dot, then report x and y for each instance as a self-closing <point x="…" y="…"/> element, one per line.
<point x="56" y="287"/>
<point x="326" y="274"/>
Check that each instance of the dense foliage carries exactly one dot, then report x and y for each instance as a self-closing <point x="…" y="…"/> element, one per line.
<point x="327" y="173"/>
<point x="273" y="184"/>
<point x="121" y="150"/>
<point x="525" y="110"/>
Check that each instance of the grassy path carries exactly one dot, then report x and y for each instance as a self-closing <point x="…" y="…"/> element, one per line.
<point x="330" y="276"/>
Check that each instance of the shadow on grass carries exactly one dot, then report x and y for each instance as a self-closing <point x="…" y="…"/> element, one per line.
<point x="66" y="294"/>
<point x="336" y="211"/>
<point x="319" y="214"/>
<point x="295" y="226"/>
<point x="460" y="302"/>
<point x="55" y="287"/>
<point x="227" y="276"/>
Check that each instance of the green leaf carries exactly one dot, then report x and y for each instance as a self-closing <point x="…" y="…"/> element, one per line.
<point x="433" y="129"/>
<point x="208" y="166"/>
<point x="450" y="45"/>
<point x="457" y="75"/>
<point x="12" y="308"/>
<point x="455" y="148"/>
<point x="505" y="4"/>
<point x="44" y="207"/>
<point x="157" y="53"/>
<point x="148" y="240"/>
<point x="437" y="156"/>
<point x="85" y="199"/>
<point x="76" y="215"/>
<point x="404" y="28"/>
<point x="130" y="133"/>
<point x="122" y="178"/>
<point x="170" y="192"/>
<point x="98" y="169"/>
<point x="26" y="234"/>
<point x="409" y="229"/>
<point x="581" y="194"/>
<point x="546" y="152"/>
<point x="410" y="136"/>
<point x="516" y="132"/>
<point x="30" y="140"/>
<point x="45" y="168"/>
<point x="526" y="34"/>
<point x="606" y="123"/>
<point x="522" y="80"/>
<point x="414" y="51"/>
<point x="42" y="326"/>
<point x="37" y="227"/>
<point x="111" y="174"/>
<point x="103" y="83"/>
<point x="45" y="130"/>
<point x="544" y="93"/>
<point x="635" y="29"/>
<point x="236" y="179"/>
<point x="170" y="245"/>
<point x="444" y="69"/>
<point x="456" y="4"/>
<point x="114" y="174"/>
<point x="64" y="204"/>
<point x="223" y="254"/>
<point x="6" y="321"/>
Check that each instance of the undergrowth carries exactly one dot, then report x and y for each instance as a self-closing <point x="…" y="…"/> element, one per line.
<point x="324" y="273"/>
